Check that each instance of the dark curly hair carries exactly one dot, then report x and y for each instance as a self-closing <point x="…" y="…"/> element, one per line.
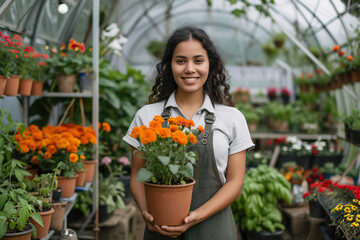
<point x="215" y="86"/>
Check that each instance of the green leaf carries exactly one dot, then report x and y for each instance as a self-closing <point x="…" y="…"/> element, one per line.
<point x="24" y="216"/>
<point x="238" y="12"/>
<point x="143" y="175"/>
<point x="3" y="227"/>
<point x="112" y="99"/>
<point x="164" y="160"/>
<point x="19" y="175"/>
<point x="191" y="156"/>
<point x="3" y="198"/>
<point x="37" y="218"/>
<point x="129" y="108"/>
<point x="174" y="168"/>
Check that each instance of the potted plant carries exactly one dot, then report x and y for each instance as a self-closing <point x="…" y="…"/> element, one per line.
<point x="252" y="116"/>
<point x="15" y="207"/>
<point x="279" y="39"/>
<point x="168" y="166"/>
<point x="312" y="196"/>
<point x="285" y="95"/>
<point x="256" y="209"/>
<point x="111" y="190"/>
<point x="272" y="93"/>
<point x="254" y="159"/>
<point x="323" y="152"/>
<point x="270" y="51"/>
<point x="241" y="95"/>
<point x="66" y="62"/>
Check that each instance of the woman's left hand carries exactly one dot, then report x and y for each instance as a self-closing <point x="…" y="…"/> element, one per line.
<point x="175" y="231"/>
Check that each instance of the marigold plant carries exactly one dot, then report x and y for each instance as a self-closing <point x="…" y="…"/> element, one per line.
<point x="168" y="161"/>
<point x="50" y="145"/>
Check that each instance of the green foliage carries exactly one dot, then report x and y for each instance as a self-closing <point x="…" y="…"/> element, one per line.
<point x="251" y="115"/>
<point x="261" y="8"/>
<point x="156" y="48"/>
<point x="353" y="120"/>
<point x="256" y="208"/>
<point x="270" y="51"/>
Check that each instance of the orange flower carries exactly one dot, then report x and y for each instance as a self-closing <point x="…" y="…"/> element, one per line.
<point x="62" y="143"/>
<point x="73" y="157"/>
<point x="179" y="137"/>
<point x="75" y="141"/>
<point x="164" y="133"/>
<point x="340" y="53"/>
<point x="106" y="127"/>
<point x="18" y="137"/>
<point x="66" y="135"/>
<point x="173" y="127"/>
<point x="31" y="145"/>
<point x="38" y="135"/>
<point x="201" y="129"/>
<point x="302" y="76"/>
<point x="181" y="121"/>
<point x="63" y="54"/>
<point x="155" y="124"/>
<point x="147" y="136"/>
<point x="190" y="123"/>
<point x="71" y="149"/>
<point x="158" y="118"/>
<point x="24" y="148"/>
<point x="82" y="157"/>
<point x="336" y="48"/>
<point x="135" y="132"/>
<point x="84" y="140"/>
<point x="47" y="155"/>
<point x="350" y="58"/>
<point x="192" y="138"/>
<point x="309" y="75"/>
<point x="51" y="149"/>
<point x="173" y="120"/>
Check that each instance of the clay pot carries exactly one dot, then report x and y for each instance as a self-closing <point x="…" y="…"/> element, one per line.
<point x="67" y="185"/>
<point x="90" y="166"/>
<point x="57" y="219"/>
<point x="3" y="81"/>
<point x="66" y="82"/>
<point x="42" y="232"/>
<point x="37" y="88"/>
<point x="12" y="85"/>
<point x="80" y="181"/>
<point x="25" y="87"/>
<point x="168" y="204"/>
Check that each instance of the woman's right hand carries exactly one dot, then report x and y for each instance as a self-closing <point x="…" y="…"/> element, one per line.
<point x="148" y="220"/>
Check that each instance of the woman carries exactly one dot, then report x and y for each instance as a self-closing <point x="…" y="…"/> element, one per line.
<point x="191" y="82"/>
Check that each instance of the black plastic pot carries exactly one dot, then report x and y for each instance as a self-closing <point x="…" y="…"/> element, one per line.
<point x="56" y="194"/>
<point x="355" y="136"/>
<point x="303" y="160"/>
<point x="316" y="210"/>
<point x="321" y="160"/>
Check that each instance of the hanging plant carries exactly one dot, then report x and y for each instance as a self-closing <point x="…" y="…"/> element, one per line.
<point x="155" y="48"/>
<point x="279" y="40"/>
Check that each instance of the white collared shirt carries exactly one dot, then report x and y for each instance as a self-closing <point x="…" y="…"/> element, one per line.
<point x="230" y="131"/>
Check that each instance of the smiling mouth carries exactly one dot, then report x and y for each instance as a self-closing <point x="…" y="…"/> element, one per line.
<point x="190" y="80"/>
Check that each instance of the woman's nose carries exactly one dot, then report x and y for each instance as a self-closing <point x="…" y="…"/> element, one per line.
<point x="189" y="68"/>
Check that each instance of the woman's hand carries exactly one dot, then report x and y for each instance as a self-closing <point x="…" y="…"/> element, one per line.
<point x="175" y="231"/>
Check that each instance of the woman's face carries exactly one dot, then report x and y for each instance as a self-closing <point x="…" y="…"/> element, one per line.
<point x="190" y="66"/>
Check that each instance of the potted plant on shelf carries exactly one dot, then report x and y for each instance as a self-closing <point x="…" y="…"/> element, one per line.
<point x="312" y="196"/>
<point x="241" y="95"/>
<point x="323" y="152"/>
<point x="256" y="209"/>
<point x="66" y="63"/>
<point x="254" y="159"/>
<point x="285" y="95"/>
<point x="168" y="166"/>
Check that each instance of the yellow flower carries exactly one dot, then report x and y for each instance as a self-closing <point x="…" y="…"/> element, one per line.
<point x="354" y="224"/>
<point x="350" y="218"/>
<point x="358" y="217"/>
<point x="355" y="200"/>
<point x="347" y="209"/>
<point x="82" y="157"/>
<point x="342" y="221"/>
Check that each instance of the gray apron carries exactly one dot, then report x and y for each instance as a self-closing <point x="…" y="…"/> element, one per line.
<point x="220" y="226"/>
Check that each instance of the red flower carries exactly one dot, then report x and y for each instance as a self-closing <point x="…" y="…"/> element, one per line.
<point x="321" y="189"/>
<point x="321" y="177"/>
<point x="350" y="58"/>
<point x="341" y="149"/>
<point x="306" y="194"/>
<point x="279" y="140"/>
<point x="315" y="170"/>
<point x="309" y="75"/>
<point x="29" y="49"/>
<point x="340" y="53"/>
<point x="269" y="142"/>
<point x="318" y="71"/>
<point x="315" y="151"/>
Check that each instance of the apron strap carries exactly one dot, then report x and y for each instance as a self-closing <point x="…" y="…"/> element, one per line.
<point x="209" y="120"/>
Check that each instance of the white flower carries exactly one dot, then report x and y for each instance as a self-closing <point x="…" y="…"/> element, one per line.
<point x="257" y="155"/>
<point x="116" y="44"/>
<point x="285" y="148"/>
<point x="111" y="31"/>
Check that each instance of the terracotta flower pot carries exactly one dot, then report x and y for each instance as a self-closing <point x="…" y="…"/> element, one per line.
<point x="90" y="165"/>
<point x="12" y="85"/>
<point x="67" y="185"/>
<point x="42" y="232"/>
<point x="57" y="219"/>
<point x="3" y="81"/>
<point x="33" y="172"/>
<point x="25" y="235"/>
<point x="66" y="82"/>
<point x="355" y="75"/>
<point x="80" y="181"/>
<point x="168" y="204"/>
<point x="37" y="88"/>
<point x="252" y="126"/>
<point x="25" y="87"/>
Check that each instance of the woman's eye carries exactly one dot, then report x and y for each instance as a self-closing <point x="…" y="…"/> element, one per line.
<point x="180" y="61"/>
<point x="199" y="61"/>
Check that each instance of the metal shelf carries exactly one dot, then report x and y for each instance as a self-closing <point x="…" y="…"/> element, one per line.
<point x="68" y="95"/>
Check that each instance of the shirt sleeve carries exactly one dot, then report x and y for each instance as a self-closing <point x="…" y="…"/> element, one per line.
<point x="137" y="122"/>
<point x="241" y="136"/>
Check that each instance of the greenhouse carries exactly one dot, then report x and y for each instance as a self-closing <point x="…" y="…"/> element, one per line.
<point x="180" y="119"/>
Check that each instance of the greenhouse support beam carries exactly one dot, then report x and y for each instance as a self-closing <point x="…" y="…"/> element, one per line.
<point x="288" y="71"/>
<point x="38" y="22"/>
<point x="5" y="6"/>
<point x="304" y="49"/>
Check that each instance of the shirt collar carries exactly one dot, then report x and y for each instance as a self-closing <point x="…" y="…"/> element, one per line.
<point x="207" y="104"/>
